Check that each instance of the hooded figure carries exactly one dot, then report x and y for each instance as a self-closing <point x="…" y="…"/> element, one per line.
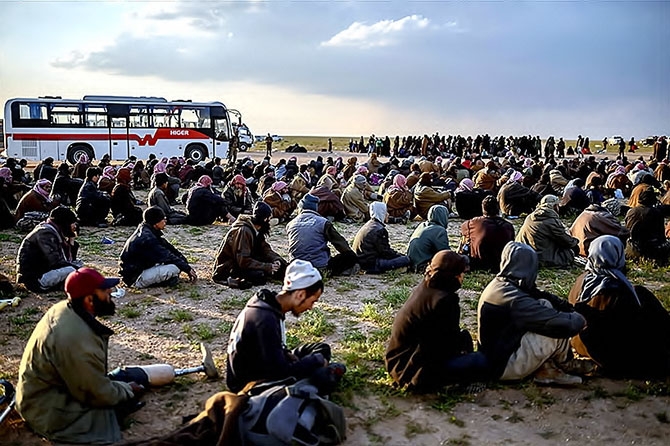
<point x="596" y="220"/>
<point x="244" y="256"/>
<point x="546" y="234"/>
<point x="628" y="330"/>
<point x="429" y="238"/>
<point x="523" y="330"/>
<point x="372" y="246"/>
<point x="203" y="205"/>
<point x="428" y="349"/>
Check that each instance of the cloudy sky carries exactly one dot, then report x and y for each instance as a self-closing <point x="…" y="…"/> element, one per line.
<point x="359" y="67"/>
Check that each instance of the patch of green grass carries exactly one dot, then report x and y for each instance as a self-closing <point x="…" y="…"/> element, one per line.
<point x="130" y="311"/>
<point x="145" y="356"/>
<point x="663" y="295"/>
<point x="383" y="317"/>
<point x="412" y="429"/>
<point x="200" y="332"/>
<point x="344" y="286"/>
<point x="10" y="238"/>
<point x="224" y="327"/>
<point x="175" y="315"/>
<point x="477" y="280"/>
<point x="558" y="281"/>
<point x="312" y="326"/>
<point x="194" y="293"/>
<point x="463" y="440"/>
<point x="597" y="393"/>
<point x="395" y="296"/>
<point x="448" y="398"/>
<point x="233" y="302"/>
<point x="631" y="392"/>
<point x="538" y="397"/>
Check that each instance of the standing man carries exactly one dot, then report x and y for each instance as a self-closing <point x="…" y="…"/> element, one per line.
<point x="148" y="259"/>
<point x="268" y="146"/>
<point x="64" y="392"/>
<point x="232" y="148"/>
<point x="257" y="349"/>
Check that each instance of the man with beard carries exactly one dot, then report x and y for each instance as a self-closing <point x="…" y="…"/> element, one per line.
<point x="148" y="259"/>
<point x="49" y="253"/>
<point x="245" y="257"/>
<point x="256" y="348"/>
<point x="237" y="198"/>
<point x="64" y="392"/>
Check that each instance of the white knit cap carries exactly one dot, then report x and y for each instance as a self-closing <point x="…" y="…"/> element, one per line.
<point x="300" y="274"/>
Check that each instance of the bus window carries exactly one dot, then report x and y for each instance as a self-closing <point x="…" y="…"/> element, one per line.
<point x="96" y="116"/>
<point x="33" y="111"/>
<point x="163" y="117"/>
<point x="62" y="114"/>
<point x="139" y="117"/>
<point x="119" y="122"/>
<point x="192" y="117"/>
<point x="221" y="129"/>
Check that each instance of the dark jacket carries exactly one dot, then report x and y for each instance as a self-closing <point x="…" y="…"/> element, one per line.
<point x="125" y="212"/>
<point x="237" y="205"/>
<point x="516" y="199"/>
<point x="487" y="236"/>
<point x="256" y="349"/>
<point x="146" y="248"/>
<point x="425" y="333"/>
<point x="372" y="243"/>
<point x="204" y="206"/>
<point x="509" y="308"/>
<point x="91" y="203"/>
<point x="43" y="250"/>
<point x="243" y="248"/>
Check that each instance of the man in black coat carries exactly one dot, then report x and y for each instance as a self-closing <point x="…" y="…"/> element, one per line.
<point x="92" y="204"/>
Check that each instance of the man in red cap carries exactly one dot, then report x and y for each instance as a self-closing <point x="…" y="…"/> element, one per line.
<point x="64" y="392"/>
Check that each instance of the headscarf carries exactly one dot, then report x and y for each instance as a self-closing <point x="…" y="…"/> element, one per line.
<point x="362" y="170"/>
<point x="378" y="211"/>
<point x="466" y="184"/>
<point x="39" y="188"/>
<point x="6" y="173"/>
<point x="604" y="268"/>
<point x="204" y="181"/>
<point x="514" y="177"/>
<point x="83" y="159"/>
<point x="159" y="167"/>
<point x="278" y="186"/>
<point x="519" y="265"/>
<point x="123" y="176"/>
<point x="108" y="172"/>
<point x="331" y="170"/>
<point x="400" y="182"/>
<point x="548" y="202"/>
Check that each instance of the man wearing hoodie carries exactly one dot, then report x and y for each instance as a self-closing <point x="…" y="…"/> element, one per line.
<point x="429" y="238"/>
<point x="245" y="257"/>
<point x="49" y="253"/>
<point x="522" y="330"/>
<point x="546" y="234"/>
<point x="372" y="246"/>
<point x="257" y="349"/>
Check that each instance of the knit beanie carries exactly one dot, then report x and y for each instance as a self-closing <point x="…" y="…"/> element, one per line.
<point x="359" y="180"/>
<point x="300" y="274"/>
<point x="63" y="216"/>
<point x="153" y="215"/>
<point x="310" y="202"/>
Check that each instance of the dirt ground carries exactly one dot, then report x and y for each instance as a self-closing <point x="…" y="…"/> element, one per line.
<point x="353" y="315"/>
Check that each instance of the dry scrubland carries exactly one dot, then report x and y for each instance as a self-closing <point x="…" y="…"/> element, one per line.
<point x="354" y="315"/>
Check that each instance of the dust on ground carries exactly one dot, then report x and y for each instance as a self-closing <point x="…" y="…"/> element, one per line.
<point x="165" y="325"/>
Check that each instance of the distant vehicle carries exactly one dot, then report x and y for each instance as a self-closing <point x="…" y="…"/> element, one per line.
<point x="119" y="126"/>
<point x="615" y="140"/>
<point x="246" y="138"/>
<point x="261" y="138"/>
<point x="277" y="138"/>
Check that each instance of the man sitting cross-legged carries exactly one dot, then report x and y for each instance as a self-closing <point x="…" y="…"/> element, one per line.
<point x="257" y="349"/>
<point x="148" y="258"/>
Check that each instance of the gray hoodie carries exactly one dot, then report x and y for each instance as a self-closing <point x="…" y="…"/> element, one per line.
<point x="429" y="238"/>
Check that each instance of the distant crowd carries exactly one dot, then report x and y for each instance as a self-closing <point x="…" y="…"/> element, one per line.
<point x="618" y="329"/>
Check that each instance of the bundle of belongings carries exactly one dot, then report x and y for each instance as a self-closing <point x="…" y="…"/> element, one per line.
<point x="286" y="412"/>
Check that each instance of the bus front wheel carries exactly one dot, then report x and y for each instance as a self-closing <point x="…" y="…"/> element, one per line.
<point x="196" y="153"/>
<point x="77" y="151"/>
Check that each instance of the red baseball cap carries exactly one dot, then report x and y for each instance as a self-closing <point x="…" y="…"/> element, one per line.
<point x="85" y="281"/>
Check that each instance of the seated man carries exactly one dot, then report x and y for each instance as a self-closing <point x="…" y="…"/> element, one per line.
<point x="237" y="198"/>
<point x="257" y="349"/>
<point x="158" y="198"/>
<point x="372" y="246"/>
<point x="64" y="392"/>
<point x="574" y="199"/>
<point x="203" y="205"/>
<point x="49" y="253"/>
<point x="628" y="330"/>
<point x="425" y="196"/>
<point x="308" y="236"/>
<point x="330" y="205"/>
<point x="356" y="197"/>
<point x="647" y="234"/>
<point x="523" y="330"/>
<point x="468" y="199"/>
<point x="36" y="200"/>
<point x="65" y="188"/>
<point x="429" y="238"/>
<point x="428" y="349"/>
<point x="595" y="221"/>
<point x="92" y="204"/>
<point x="546" y="234"/>
<point x="280" y="200"/>
<point x="516" y="199"/>
<point x="486" y="236"/>
<point x="399" y="199"/>
<point x="244" y="256"/>
<point x="148" y="259"/>
<point x="124" y="204"/>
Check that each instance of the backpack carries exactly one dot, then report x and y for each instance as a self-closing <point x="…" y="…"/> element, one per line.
<point x="287" y="412"/>
<point x="31" y="219"/>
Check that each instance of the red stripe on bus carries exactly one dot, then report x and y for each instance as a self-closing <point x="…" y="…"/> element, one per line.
<point x="170" y="134"/>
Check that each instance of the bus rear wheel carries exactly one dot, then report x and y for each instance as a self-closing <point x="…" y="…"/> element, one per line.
<point x="75" y="152"/>
<point x="196" y="153"/>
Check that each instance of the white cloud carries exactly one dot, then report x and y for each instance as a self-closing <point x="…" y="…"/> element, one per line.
<point x="382" y="33"/>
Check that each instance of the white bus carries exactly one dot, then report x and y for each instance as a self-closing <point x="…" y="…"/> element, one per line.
<point x="120" y="126"/>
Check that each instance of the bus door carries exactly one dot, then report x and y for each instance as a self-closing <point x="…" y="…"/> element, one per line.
<point x="119" y="147"/>
<point x="142" y="138"/>
<point x="222" y="132"/>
